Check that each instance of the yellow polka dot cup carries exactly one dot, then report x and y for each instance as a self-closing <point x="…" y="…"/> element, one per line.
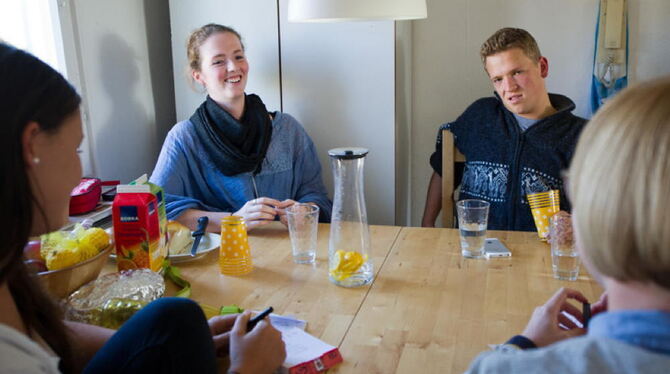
<point x="234" y="253"/>
<point x="543" y="205"/>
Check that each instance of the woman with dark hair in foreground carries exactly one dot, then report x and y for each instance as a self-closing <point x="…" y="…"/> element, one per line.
<point x="39" y="135"/>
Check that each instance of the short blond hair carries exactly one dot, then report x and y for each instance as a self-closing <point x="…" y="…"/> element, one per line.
<point x="508" y="38"/>
<point x="619" y="182"/>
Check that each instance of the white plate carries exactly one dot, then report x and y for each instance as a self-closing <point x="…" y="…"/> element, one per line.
<point x="209" y="242"/>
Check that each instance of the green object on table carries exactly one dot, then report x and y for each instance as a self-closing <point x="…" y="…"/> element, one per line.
<point x="174" y="274"/>
<point x="211" y="311"/>
<point x="230" y="309"/>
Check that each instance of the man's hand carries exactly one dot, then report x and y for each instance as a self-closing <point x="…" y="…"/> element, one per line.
<point x="549" y="323"/>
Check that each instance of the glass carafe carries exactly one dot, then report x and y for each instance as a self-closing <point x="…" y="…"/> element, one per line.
<point x="349" y="262"/>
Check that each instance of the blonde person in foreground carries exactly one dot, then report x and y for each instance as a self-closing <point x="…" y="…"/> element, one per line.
<point x="618" y="183"/>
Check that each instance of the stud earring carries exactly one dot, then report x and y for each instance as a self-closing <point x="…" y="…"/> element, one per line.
<point x="36" y="160"/>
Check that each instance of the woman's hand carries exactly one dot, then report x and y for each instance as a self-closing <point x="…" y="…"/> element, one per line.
<point x="220" y="327"/>
<point x="258" y="212"/>
<point x="281" y="210"/>
<point x="259" y="351"/>
<point x="549" y="324"/>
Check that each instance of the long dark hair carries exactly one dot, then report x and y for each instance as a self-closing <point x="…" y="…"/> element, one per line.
<point x="30" y="90"/>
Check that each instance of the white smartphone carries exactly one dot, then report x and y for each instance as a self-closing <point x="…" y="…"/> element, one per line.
<point x="495" y="248"/>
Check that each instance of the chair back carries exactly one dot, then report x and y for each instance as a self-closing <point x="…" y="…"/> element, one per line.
<point x="450" y="156"/>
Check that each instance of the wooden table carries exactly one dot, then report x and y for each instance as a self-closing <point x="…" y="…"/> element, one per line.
<point x="432" y="311"/>
<point x="303" y="291"/>
<point x="428" y="310"/>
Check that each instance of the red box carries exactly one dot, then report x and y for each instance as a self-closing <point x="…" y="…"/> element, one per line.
<point x="319" y="364"/>
<point x="85" y="197"/>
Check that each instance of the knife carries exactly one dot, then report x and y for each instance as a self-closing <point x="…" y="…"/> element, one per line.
<point x="198" y="233"/>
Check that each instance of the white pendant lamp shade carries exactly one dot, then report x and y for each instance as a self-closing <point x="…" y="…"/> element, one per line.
<point x="355" y="10"/>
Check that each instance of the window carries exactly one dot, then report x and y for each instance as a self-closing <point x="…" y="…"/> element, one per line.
<point x="33" y="25"/>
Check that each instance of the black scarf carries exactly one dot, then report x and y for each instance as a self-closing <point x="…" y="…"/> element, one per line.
<point x="235" y="146"/>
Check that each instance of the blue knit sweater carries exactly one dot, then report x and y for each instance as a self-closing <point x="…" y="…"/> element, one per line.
<point x="503" y="164"/>
<point x="290" y="170"/>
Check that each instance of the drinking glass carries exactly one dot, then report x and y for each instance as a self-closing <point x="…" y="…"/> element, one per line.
<point x="303" y="220"/>
<point x="564" y="256"/>
<point x="473" y="218"/>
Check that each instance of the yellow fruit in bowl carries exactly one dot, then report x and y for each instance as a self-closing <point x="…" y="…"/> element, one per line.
<point x="59" y="259"/>
<point x="62" y="249"/>
<point x="54" y="240"/>
<point x="96" y="238"/>
<point x="87" y="250"/>
<point x="61" y="282"/>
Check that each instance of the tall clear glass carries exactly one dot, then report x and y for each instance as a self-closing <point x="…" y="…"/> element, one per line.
<point x="473" y="218"/>
<point x="349" y="262"/>
<point x="564" y="255"/>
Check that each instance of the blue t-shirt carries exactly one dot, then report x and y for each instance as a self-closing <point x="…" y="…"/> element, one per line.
<point x="525" y="123"/>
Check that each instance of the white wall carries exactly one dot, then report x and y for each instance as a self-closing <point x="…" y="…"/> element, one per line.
<point x="121" y="67"/>
<point x="343" y="88"/>
<point x="448" y="74"/>
<point x="255" y="20"/>
<point x="649" y="39"/>
<point x="403" y="123"/>
<point x="338" y="81"/>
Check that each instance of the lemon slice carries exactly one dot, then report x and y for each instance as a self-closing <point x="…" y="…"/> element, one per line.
<point x="344" y="264"/>
<point x="336" y="260"/>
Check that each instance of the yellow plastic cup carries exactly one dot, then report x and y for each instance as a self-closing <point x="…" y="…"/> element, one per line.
<point x="543" y="205"/>
<point x="234" y="252"/>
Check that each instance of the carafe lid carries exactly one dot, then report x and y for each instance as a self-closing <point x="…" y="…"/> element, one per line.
<point x="348" y="153"/>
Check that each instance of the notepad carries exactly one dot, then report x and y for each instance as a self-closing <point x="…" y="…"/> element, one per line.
<point x="305" y="354"/>
<point x="282" y="323"/>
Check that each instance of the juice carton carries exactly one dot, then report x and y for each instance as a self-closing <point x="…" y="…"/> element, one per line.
<point x="136" y="228"/>
<point x="157" y="191"/>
